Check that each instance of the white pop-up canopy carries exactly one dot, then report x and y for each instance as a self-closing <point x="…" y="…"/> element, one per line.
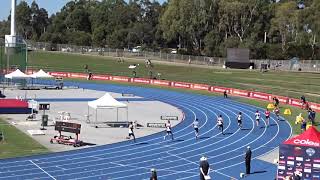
<point x="107" y="102"/>
<point x="17" y="74"/>
<point x="41" y="74"/>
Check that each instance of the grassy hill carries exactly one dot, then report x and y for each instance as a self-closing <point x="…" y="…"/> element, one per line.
<point x="292" y="84"/>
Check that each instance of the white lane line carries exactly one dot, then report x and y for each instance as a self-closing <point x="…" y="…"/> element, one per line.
<point x="206" y="132"/>
<point x="188" y="139"/>
<point x="171" y="154"/>
<point x="42" y="170"/>
<point x="239" y="147"/>
<point x="252" y="151"/>
<point x="204" y="146"/>
<point x="61" y="168"/>
<point x="148" y="168"/>
<point x="173" y="101"/>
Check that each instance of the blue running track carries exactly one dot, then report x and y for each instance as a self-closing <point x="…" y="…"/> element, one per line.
<point x="177" y="159"/>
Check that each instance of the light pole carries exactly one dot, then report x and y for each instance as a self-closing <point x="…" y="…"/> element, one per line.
<point x="10" y="40"/>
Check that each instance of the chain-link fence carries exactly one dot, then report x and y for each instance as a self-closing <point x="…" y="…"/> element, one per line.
<point x="13" y="56"/>
<point x="301" y="65"/>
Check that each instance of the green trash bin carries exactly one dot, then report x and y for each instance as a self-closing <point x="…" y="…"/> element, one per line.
<point x="45" y="119"/>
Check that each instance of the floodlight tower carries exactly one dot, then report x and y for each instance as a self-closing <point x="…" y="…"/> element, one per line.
<point x="11" y="39"/>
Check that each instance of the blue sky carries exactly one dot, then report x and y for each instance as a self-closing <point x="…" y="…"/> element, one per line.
<point x="51" y="6"/>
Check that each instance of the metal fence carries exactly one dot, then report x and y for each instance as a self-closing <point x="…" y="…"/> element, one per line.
<point x="301" y="65"/>
<point x="13" y="56"/>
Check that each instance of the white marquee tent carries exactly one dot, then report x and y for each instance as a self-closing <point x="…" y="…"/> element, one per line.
<point x="17" y="74"/>
<point x="107" y="102"/>
<point x="41" y="74"/>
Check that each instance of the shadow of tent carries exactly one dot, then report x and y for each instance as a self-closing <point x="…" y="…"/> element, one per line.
<point x="88" y="144"/>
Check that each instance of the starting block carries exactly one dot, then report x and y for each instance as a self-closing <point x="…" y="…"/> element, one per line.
<point x="287" y="112"/>
<point x="270" y="106"/>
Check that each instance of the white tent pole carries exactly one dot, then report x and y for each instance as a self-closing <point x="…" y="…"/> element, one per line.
<point x="96" y="117"/>
<point x="117" y="114"/>
<point x="127" y="115"/>
<point x="88" y="116"/>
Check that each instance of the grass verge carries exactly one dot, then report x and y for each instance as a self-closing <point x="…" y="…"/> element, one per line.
<point x="16" y="143"/>
<point x="292" y="84"/>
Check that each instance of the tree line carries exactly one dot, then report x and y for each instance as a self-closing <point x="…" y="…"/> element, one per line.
<point x="270" y="29"/>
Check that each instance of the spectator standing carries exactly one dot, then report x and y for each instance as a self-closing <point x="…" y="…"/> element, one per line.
<point x="303" y="101"/>
<point x="204" y="168"/>
<point x="86" y="68"/>
<point x="311" y="115"/>
<point x="89" y="76"/>
<point x="276" y="101"/>
<point x="248" y="160"/>
<point x="303" y="125"/>
<point x="225" y="95"/>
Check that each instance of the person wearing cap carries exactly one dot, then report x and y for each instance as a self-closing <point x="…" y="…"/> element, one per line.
<point x="248" y="160"/>
<point x="204" y="167"/>
<point x="196" y="127"/>
<point x="153" y="174"/>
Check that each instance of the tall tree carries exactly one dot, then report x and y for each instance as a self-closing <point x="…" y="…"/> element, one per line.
<point x="23" y="19"/>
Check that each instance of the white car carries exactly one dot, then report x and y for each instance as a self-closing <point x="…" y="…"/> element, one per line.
<point x="173" y="51"/>
<point x="136" y="49"/>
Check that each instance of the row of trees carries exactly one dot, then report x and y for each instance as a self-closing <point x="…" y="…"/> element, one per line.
<point x="274" y="30"/>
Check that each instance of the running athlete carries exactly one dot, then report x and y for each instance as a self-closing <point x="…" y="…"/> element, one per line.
<point x="257" y="115"/>
<point x="168" y="129"/>
<point x="277" y="113"/>
<point x="239" y="118"/>
<point x="131" y="132"/>
<point x="220" y="123"/>
<point x="267" y="114"/>
<point x="196" y="128"/>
